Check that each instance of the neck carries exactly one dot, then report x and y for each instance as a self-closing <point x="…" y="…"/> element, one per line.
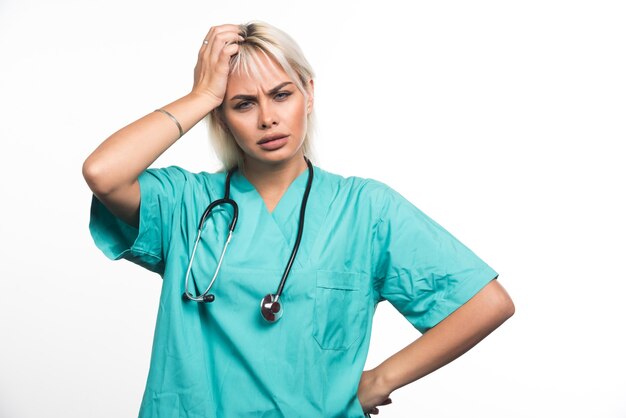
<point x="274" y="178"/>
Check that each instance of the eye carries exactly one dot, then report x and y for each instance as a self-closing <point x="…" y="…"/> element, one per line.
<point x="282" y="95"/>
<point x="243" y="105"/>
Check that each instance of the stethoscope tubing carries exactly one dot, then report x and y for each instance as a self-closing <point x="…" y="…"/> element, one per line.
<point x="231" y="229"/>
<point x="274" y="298"/>
<point x="294" y="251"/>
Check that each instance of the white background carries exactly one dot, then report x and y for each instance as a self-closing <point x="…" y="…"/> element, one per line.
<point x="501" y="120"/>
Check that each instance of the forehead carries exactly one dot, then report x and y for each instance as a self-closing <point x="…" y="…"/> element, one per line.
<point x="254" y="71"/>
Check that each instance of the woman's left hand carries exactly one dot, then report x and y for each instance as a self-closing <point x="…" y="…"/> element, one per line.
<point x="371" y="392"/>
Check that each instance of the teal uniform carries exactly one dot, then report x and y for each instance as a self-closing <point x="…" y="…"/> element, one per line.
<point x="362" y="243"/>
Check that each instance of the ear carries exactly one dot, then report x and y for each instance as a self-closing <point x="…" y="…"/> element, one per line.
<point x="309" y="103"/>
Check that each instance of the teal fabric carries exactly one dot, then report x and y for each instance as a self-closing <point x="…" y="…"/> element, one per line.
<point x="363" y="243"/>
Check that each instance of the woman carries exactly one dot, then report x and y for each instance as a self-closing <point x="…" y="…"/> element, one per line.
<point x="337" y="246"/>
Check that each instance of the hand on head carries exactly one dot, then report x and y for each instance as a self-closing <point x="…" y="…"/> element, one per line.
<point x="212" y="68"/>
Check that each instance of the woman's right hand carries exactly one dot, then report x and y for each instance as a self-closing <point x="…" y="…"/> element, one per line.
<point x="112" y="170"/>
<point x="211" y="71"/>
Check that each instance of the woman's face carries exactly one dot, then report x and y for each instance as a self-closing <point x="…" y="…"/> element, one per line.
<point x="267" y="115"/>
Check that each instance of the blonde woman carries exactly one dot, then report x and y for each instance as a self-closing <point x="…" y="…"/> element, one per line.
<point x="273" y="267"/>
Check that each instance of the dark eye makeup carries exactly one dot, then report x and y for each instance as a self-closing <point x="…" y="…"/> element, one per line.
<point x="280" y="96"/>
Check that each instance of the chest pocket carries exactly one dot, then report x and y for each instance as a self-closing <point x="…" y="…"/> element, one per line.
<point x="339" y="310"/>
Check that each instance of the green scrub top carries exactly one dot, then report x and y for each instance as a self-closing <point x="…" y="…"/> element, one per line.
<point x="362" y="243"/>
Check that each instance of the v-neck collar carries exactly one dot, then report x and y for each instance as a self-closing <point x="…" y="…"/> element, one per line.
<point x="297" y="185"/>
<point x="286" y="214"/>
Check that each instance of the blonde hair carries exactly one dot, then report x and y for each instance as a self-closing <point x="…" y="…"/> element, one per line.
<point x="260" y="37"/>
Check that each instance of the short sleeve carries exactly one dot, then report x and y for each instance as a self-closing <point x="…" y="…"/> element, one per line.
<point x="161" y="189"/>
<point x="419" y="267"/>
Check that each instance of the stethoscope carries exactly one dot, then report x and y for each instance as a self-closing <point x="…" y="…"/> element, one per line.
<point x="271" y="308"/>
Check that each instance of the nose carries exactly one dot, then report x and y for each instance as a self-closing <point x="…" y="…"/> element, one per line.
<point x="267" y="116"/>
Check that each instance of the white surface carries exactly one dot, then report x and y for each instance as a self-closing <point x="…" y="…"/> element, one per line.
<point x="501" y="120"/>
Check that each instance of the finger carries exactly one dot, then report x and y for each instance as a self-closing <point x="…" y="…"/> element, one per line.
<point x="216" y="30"/>
<point x="216" y="57"/>
<point x="217" y="41"/>
<point x="207" y="40"/>
<point x="226" y="38"/>
<point x="224" y="44"/>
<point x="222" y="63"/>
<point x="221" y="28"/>
<point x="229" y="51"/>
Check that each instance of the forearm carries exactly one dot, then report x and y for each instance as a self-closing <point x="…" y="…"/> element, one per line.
<point x="452" y="337"/>
<point x="124" y="155"/>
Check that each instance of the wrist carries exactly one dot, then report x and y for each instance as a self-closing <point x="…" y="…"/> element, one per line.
<point x="207" y="100"/>
<point x="381" y="381"/>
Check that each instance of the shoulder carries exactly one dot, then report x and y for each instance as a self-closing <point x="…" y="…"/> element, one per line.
<point x="177" y="173"/>
<point x="358" y="189"/>
<point x="173" y="174"/>
<point x="177" y="178"/>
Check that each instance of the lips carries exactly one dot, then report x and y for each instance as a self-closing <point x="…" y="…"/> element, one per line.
<point x="269" y="138"/>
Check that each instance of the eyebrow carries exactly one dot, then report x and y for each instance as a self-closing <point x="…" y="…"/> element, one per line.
<point x="269" y="93"/>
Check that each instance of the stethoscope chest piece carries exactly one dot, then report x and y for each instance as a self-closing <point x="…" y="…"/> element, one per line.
<point x="271" y="308"/>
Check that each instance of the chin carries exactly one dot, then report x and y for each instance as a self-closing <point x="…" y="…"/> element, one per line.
<point x="277" y="157"/>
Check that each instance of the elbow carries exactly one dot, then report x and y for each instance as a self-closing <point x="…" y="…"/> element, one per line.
<point x="504" y="305"/>
<point x="97" y="178"/>
<point x="508" y="309"/>
<point x="500" y="303"/>
<point x="92" y="176"/>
